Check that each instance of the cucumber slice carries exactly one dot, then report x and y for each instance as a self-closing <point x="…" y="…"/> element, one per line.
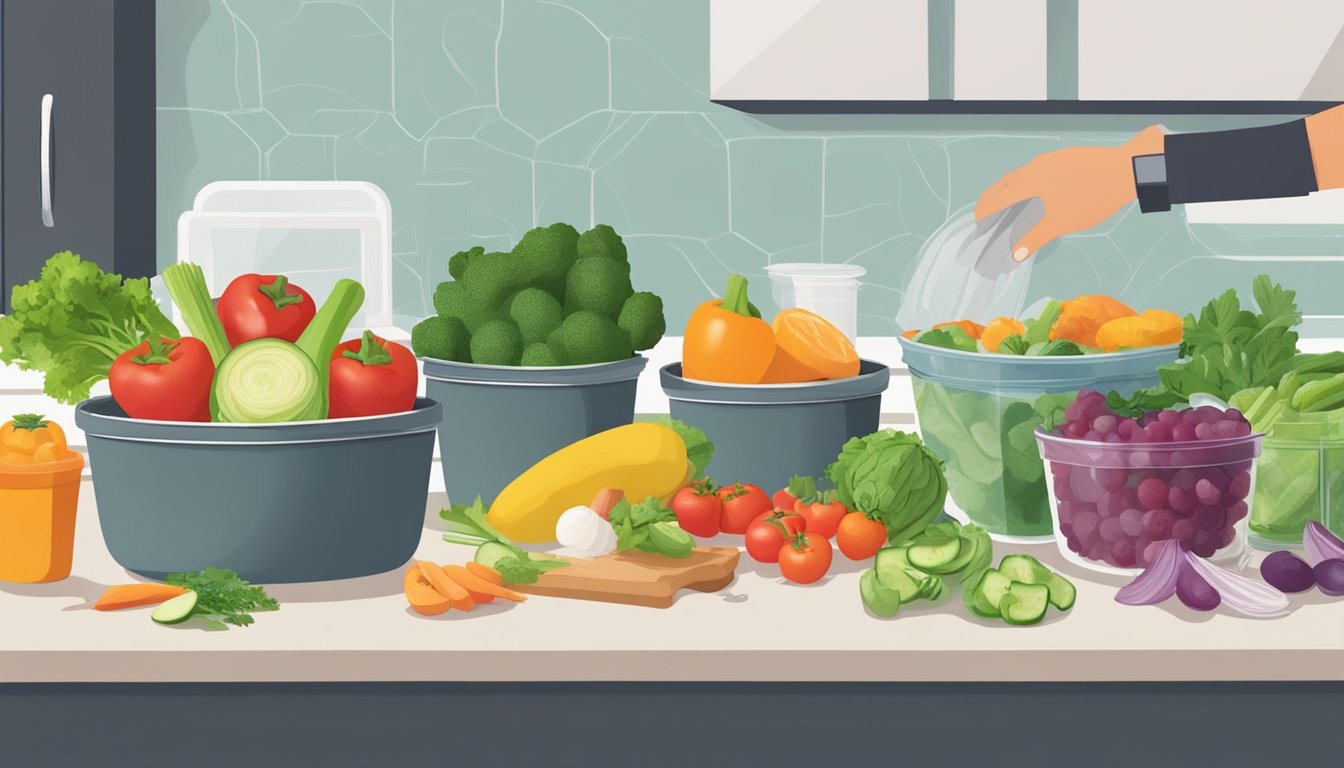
<point x="176" y="609"/>
<point x="891" y="557"/>
<point x="900" y="581"/>
<point x="1024" y="568"/>
<point x="992" y="587"/>
<point x="1062" y="592"/>
<point x="1024" y="603"/>
<point x="936" y="556"/>
<point x="492" y="552"/>
<point x="879" y="599"/>
<point x="931" y="588"/>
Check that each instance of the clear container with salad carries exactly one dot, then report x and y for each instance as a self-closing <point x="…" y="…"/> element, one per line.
<point x="982" y="391"/>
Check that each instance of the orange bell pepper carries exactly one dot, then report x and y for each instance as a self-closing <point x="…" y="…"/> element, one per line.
<point x="724" y="342"/>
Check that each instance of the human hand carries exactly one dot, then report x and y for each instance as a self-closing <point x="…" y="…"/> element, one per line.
<point x="1080" y="187"/>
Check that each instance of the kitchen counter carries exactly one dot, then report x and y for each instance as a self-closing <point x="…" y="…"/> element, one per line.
<point x="757" y="629"/>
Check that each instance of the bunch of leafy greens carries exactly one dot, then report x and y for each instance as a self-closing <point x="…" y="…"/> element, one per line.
<point x="699" y="450"/>
<point x="650" y="527"/>
<point x="74" y="320"/>
<point x="467" y="525"/>
<point x="222" y="598"/>
<point x="891" y="476"/>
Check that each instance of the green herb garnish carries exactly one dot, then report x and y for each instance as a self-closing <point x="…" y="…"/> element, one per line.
<point x="222" y="598"/>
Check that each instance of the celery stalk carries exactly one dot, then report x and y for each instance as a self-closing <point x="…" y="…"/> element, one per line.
<point x="186" y="284"/>
<point x="320" y="339"/>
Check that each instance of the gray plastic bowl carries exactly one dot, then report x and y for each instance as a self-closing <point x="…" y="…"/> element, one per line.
<point x="767" y="433"/>
<point x="500" y="420"/>
<point x="304" y="501"/>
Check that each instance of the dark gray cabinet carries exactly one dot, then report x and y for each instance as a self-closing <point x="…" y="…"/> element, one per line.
<point x="76" y="135"/>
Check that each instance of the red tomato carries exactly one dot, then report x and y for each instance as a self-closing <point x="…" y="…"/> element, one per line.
<point x="859" y="536"/>
<point x="742" y="503"/>
<point x="262" y="306"/>
<point x="769" y="531"/>
<point x="698" y="509"/>
<point x="783" y="499"/>
<point x="805" y="558"/>
<point x="164" y="380"/>
<point x="370" y="376"/>
<point x="822" y="517"/>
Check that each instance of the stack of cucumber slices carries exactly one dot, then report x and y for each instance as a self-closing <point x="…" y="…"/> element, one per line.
<point x="1019" y="591"/>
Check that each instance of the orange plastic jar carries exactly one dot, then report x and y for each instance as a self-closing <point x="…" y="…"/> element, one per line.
<point x="37" y="519"/>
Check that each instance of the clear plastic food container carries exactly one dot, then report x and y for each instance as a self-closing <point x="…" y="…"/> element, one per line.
<point x="1115" y="503"/>
<point x="1299" y="478"/>
<point x="978" y="412"/>
<point x="830" y="290"/>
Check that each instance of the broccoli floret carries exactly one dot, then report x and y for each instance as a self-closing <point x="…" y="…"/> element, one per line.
<point x="491" y="277"/>
<point x="602" y="242"/>
<point x="598" y="285"/>
<point x="547" y="253"/>
<point x="497" y="342"/>
<point x="443" y="338"/>
<point x="457" y="264"/>
<point x="642" y="317"/>
<point x="452" y="299"/>
<point x="541" y="354"/>
<point x="536" y="312"/>
<point x="587" y="337"/>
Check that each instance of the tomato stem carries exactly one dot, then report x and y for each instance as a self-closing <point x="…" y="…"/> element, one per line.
<point x="275" y="291"/>
<point x="370" y="351"/>
<point x="799" y="541"/>
<point x="158" y="352"/>
<point x="776" y="519"/>
<point x="738" y="490"/>
<point x="704" y="487"/>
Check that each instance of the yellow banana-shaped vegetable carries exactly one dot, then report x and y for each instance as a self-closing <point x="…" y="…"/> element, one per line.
<point x="641" y="459"/>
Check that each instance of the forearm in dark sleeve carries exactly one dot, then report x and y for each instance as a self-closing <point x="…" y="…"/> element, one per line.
<point x="1243" y="164"/>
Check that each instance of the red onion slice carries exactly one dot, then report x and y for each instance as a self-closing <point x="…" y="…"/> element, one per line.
<point x="1239" y="593"/>
<point x="1158" y="580"/>
<point x="1319" y="544"/>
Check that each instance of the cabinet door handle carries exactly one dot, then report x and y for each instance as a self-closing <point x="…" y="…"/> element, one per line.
<point x="47" y="220"/>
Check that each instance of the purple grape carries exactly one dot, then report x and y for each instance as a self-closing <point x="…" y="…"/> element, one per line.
<point x="1329" y="575"/>
<point x="1170" y="418"/>
<point x="1205" y="543"/>
<point x="1158" y="433"/>
<point x="1066" y="530"/>
<point x="1184" y="529"/>
<point x="1232" y="414"/>
<point x="1190" y="417"/>
<point x="1092" y="436"/>
<point x="1235" y="512"/>
<point x="1216" y="476"/>
<point x="1065" y="510"/>
<point x="1131" y="522"/>
<point x="1180" y="500"/>
<point x="1104" y="423"/>
<point x="1073" y="544"/>
<point x="1064" y="488"/>
<point x="1112" y="437"/>
<point x="1122" y="553"/>
<point x="1211" y="517"/>
<point x="1184" y="478"/>
<point x="1111" y="479"/>
<point x="1126" y="428"/>
<point x="1195" y="592"/>
<point x="1085" y="525"/>
<point x="1110" y="529"/>
<point x="1183" y="433"/>
<point x="1083" y="488"/>
<point x="1287" y="572"/>
<point x="1157" y="523"/>
<point x="1236" y="468"/>
<point x="1207" y="492"/>
<point x="1239" y="487"/>
<point x="1099" y="550"/>
<point x="1151" y="549"/>
<point x="1226" y="536"/>
<point x="1153" y="493"/>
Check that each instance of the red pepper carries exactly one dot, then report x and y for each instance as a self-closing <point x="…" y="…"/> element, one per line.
<point x="264" y="306"/>
<point x="164" y="379"/>
<point x="370" y="376"/>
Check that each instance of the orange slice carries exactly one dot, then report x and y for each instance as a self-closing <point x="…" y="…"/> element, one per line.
<point x="809" y="347"/>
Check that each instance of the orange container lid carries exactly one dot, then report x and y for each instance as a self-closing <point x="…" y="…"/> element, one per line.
<point x="42" y="475"/>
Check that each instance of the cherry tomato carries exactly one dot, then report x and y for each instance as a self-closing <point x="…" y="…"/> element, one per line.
<point x="698" y="509"/>
<point x="742" y="503"/>
<point x="823" y="516"/>
<point x="783" y="499"/>
<point x="859" y="537"/>
<point x="164" y="380"/>
<point x="370" y="376"/>
<point x="260" y="306"/>
<point x="769" y="531"/>
<point x="805" y="558"/>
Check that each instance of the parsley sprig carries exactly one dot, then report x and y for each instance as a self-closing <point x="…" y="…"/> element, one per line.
<point x="222" y="598"/>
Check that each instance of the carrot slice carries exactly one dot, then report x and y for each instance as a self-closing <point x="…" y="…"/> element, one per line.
<point x="446" y="586"/>
<point x="808" y="347"/>
<point x="134" y="595"/>
<point x="486" y="572"/>
<point x="475" y="583"/>
<point x="972" y="328"/>
<point x="999" y="329"/>
<point x="911" y="334"/>
<point x="425" y="601"/>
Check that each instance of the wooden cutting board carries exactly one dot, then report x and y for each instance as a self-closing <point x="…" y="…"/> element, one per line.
<point x="638" y="578"/>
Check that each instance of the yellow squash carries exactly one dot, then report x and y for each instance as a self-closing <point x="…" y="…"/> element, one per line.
<point x="642" y="460"/>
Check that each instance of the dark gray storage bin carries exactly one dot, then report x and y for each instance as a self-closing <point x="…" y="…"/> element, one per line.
<point x="767" y="433"/>
<point x="500" y="420"/>
<point x="307" y="501"/>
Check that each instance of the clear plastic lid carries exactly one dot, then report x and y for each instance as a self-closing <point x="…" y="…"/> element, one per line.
<point x="966" y="269"/>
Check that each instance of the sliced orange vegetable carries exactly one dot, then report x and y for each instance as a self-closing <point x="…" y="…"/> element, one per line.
<point x="972" y="328"/>
<point x="486" y="572"/>
<point x="445" y="586"/>
<point x="473" y="583"/>
<point x="122" y="596"/>
<point x="911" y="334"/>
<point x="28" y="432"/>
<point x="1080" y="318"/>
<point x="724" y="342"/>
<point x="1154" y="327"/>
<point x="809" y="347"/>
<point x="999" y="329"/>
<point x="425" y="601"/>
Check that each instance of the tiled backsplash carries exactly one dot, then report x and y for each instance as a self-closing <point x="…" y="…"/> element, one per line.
<point x="483" y="118"/>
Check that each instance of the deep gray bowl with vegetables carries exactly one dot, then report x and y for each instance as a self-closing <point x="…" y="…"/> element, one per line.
<point x="277" y="502"/>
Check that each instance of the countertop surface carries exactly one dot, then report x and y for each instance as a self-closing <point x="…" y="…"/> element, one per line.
<point x="757" y="629"/>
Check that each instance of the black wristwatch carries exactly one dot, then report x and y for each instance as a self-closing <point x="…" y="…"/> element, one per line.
<point x="1150" y="182"/>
